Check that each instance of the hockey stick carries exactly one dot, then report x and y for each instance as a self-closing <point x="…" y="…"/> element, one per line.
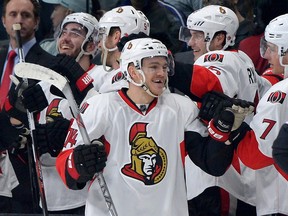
<point x="17" y="28"/>
<point x="37" y="72"/>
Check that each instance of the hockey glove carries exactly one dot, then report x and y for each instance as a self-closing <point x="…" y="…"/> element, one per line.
<point x="241" y="109"/>
<point x="89" y="159"/>
<point x="34" y="98"/>
<point x="51" y="136"/>
<point x="211" y="103"/>
<point x="80" y="81"/>
<point x="12" y="138"/>
<point x="220" y="126"/>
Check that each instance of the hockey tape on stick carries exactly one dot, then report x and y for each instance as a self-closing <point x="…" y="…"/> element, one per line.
<point x="38" y="72"/>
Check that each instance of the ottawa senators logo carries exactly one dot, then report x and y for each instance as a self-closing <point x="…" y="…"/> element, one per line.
<point x="53" y="108"/>
<point x="119" y="76"/>
<point x="214" y="57"/>
<point x="276" y="97"/>
<point x="148" y="160"/>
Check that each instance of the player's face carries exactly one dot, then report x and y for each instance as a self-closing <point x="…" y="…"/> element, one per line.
<point x="20" y="11"/>
<point x="71" y="39"/>
<point x="271" y="54"/>
<point x="156" y="71"/>
<point x="197" y="43"/>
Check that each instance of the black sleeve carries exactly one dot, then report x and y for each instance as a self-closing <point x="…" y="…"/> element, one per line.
<point x="280" y="148"/>
<point x="210" y="155"/>
<point x="182" y="78"/>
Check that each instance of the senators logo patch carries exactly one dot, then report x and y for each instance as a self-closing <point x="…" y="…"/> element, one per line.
<point x="276" y="97"/>
<point x="148" y="160"/>
<point x="119" y="76"/>
<point x="214" y="57"/>
<point x="53" y="108"/>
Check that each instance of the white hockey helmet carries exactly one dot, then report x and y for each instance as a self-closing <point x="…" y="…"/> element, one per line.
<point x="91" y="25"/>
<point x="212" y="19"/>
<point x="127" y="18"/>
<point x="135" y="51"/>
<point x="276" y="32"/>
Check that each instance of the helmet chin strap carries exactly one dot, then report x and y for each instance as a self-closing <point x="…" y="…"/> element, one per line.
<point x="285" y="72"/>
<point x="106" y="50"/>
<point x="146" y="88"/>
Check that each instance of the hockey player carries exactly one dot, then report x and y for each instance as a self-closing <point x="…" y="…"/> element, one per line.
<point x="114" y="25"/>
<point x="145" y="133"/>
<point x="77" y="44"/>
<point x="255" y="149"/>
<point x="210" y="32"/>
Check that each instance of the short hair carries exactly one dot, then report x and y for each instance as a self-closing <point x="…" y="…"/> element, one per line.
<point x="36" y="9"/>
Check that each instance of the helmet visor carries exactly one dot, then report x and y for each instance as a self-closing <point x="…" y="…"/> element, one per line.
<point x="263" y="46"/>
<point x="184" y="34"/>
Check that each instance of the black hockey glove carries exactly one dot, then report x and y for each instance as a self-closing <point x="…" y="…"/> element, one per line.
<point x="280" y="148"/>
<point x="34" y="98"/>
<point x="211" y="104"/>
<point x="89" y="159"/>
<point x="80" y="81"/>
<point x="12" y="138"/>
<point x="24" y="97"/>
<point x="220" y="126"/>
<point x="51" y="136"/>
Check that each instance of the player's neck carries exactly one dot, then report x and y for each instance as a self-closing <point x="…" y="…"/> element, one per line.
<point x="138" y="95"/>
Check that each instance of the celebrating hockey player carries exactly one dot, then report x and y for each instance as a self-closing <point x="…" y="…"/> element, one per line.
<point x="145" y="134"/>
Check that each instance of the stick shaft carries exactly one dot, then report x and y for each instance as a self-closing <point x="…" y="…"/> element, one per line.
<point x="32" y="129"/>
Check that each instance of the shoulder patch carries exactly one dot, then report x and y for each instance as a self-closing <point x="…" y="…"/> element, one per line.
<point x="117" y="77"/>
<point x="214" y="57"/>
<point x="276" y="97"/>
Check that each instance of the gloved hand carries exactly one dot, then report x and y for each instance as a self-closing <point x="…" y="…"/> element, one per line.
<point x="34" y="98"/>
<point x="12" y="137"/>
<point x="51" y="136"/>
<point x="228" y="116"/>
<point x="220" y="126"/>
<point x="89" y="159"/>
<point x="80" y="81"/>
<point x="23" y="97"/>
<point x="241" y="109"/>
<point x="211" y="103"/>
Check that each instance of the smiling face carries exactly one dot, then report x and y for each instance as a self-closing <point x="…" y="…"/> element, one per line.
<point x="71" y="39"/>
<point x="156" y="71"/>
<point x="197" y="43"/>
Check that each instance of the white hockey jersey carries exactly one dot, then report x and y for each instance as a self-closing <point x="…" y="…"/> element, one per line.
<point x="107" y="81"/>
<point x="157" y="188"/>
<point x="233" y="73"/>
<point x="255" y="150"/>
<point x="8" y="178"/>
